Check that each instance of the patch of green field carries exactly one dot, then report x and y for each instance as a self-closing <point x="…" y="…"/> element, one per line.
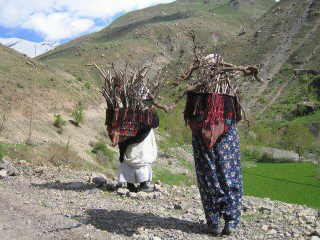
<point x="167" y="177"/>
<point x="288" y="182"/>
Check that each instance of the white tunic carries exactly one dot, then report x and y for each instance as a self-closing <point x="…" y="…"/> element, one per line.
<point x="138" y="158"/>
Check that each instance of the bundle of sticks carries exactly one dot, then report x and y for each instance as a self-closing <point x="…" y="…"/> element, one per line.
<point x="212" y="74"/>
<point x="131" y="88"/>
<point x="128" y="87"/>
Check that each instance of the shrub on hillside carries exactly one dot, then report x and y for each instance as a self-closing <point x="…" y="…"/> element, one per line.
<point x="101" y="146"/>
<point x="78" y="114"/>
<point x="79" y="77"/>
<point x="104" y="156"/>
<point x="59" y="155"/>
<point x="88" y="85"/>
<point x="59" y="122"/>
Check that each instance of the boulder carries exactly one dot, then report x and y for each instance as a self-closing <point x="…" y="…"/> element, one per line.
<point x="275" y="154"/>
<point x="4" y="163"/>
<point x="122" y="191"/>
<point x="3" y="174"/>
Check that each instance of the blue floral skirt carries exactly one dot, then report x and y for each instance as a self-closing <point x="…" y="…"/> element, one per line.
<point x="219" y="177"/>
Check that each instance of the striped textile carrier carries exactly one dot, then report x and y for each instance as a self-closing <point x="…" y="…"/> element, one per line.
<point x="124" y="123"/>
<point x="209" y="115"/>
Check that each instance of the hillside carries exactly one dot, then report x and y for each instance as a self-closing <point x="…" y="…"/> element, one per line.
<point x="56" y="92"/>
<point x="157" y="33"/>
<point x="49" y="189"/>
<point x="284" y="39"/>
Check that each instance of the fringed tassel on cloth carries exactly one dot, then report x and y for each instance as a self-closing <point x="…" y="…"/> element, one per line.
<point x="209" y="115"/>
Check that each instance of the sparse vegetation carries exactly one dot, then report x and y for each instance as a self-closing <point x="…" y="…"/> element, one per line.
<point x="104" y="156"/>
<point x="88" y="85"/>
<point x="59" y="122"/>
<point x="1" y="152"/>
<point x="78" y="76"/>
<point x="78" y="114"/>
<point x="58" y="155"/>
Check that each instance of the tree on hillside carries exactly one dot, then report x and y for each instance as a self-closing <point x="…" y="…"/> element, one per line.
<point x="298" y="138"/>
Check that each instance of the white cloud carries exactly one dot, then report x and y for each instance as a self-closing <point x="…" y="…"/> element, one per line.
<point x="55" y="20"/>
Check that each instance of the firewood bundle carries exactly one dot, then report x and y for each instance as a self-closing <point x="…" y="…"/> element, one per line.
<point x="129" y="88"/>
<point x="208" y="74"/>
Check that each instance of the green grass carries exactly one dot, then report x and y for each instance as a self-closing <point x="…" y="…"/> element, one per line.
<point x="288" y="182"/>
<point x="167" y="177"/>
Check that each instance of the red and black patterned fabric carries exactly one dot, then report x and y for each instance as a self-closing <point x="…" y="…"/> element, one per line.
<point x="124" y="123"/>
<point x="209" y="115"/>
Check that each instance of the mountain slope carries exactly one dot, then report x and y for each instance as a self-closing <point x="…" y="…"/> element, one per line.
<point x="31" y="49"/>
<point x="284" y="39"/>
<point x="54" y="87"/>
<point x="157" y="33"/>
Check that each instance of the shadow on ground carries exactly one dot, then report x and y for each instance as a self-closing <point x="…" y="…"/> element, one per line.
<point x="126" y="223"/>
<point x="72" y="186"/>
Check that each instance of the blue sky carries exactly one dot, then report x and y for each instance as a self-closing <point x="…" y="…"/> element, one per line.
<point x="62" y="20"/>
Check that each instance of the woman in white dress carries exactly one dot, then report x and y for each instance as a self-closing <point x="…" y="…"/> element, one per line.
<point x="136" y="156"/>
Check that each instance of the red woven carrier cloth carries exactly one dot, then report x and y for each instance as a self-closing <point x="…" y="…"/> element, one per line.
<point x="209" y="115"/>
<point x="124" y="123"/>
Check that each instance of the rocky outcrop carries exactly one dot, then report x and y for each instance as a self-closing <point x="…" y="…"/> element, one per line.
<point x="274" y="154"/>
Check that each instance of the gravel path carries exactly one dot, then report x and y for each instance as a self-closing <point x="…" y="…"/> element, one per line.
<point x="52" y="203"/>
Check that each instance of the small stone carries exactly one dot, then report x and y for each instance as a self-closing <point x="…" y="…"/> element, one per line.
<point x="22" y="163"/>
<point x="246" y="207"/>
<point x="157" y="195"/>
<point x="272" y="231"/>
<point x="40" y="170"/>
<point x="4" y="163"/>
<point x="142" y="195"/>
<point x="177" y="206"/>
<point x="315" y="233"/>
<point x="315" y="238"/>
<point x="158" y="182"/>
<point x="157" y="187"/>
<point x="122" y="191"/>
<point x="93" y="191"/>
<point x="155" y="238"/>
<point x="3" y="174"/>
<point x="265" y="208"/>
<point x="132" y="195"/>
<point x="265" y="228"/>
<point x="275" y="227"/>
<point x="287" y="234"/>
